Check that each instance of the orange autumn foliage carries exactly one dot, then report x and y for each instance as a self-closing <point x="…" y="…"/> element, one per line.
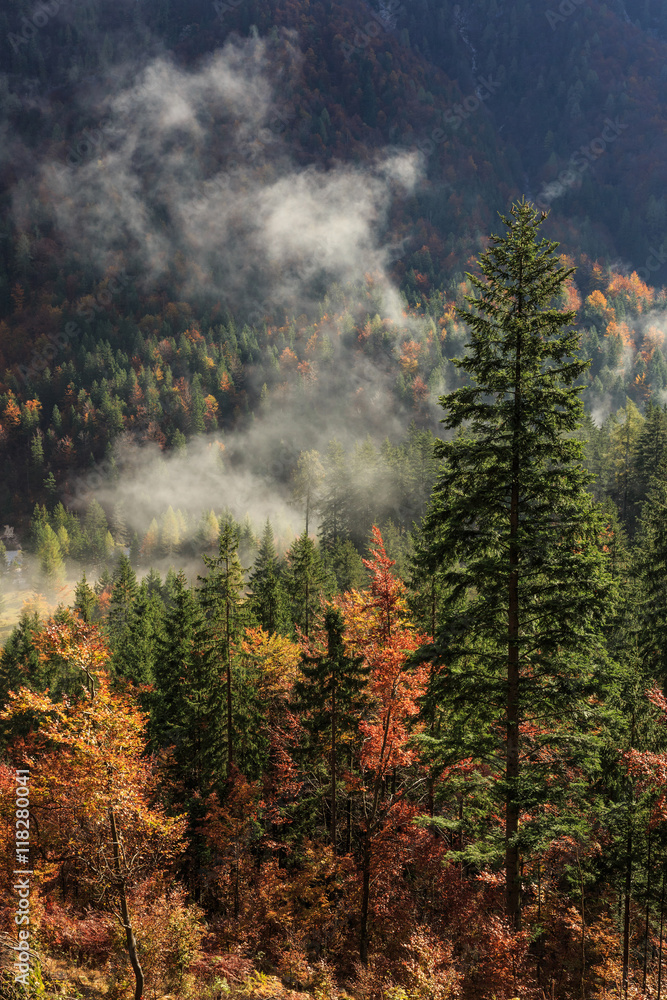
<point x="630" y="288"/>
<point x="12" y="412"/>
<point x="622" y="330"/>
<point x="87" y="756"/>
<point x="288" y="359"/>
<point x="409" y="358"/>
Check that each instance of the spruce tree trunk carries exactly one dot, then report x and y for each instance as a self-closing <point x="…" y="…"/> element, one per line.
<point x="513" y="898"/>
<point x="125" y="913"/>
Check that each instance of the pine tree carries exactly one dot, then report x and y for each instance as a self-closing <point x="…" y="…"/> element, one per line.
<point x="51" y="489"/>
<point x="19" y="660"/>
<point x="347" y="566"/>
<point x="50" y="556"/>
<point x="208" y="530"/>
<point x="307" y="481"/>
<point x="95" y="531"/>
<point x="306" y="581"/>
<point x="85" y="600"/>
<point x="513" y="529"/>
<point x="124" y="591"/>
<point x="626" y="427"/>
<point x="330" y="697"/>
<point x="170" y="534"/>
<point x="136" y="650"/>
<point x="220" y="598"/>
<point x="268" y="599"/>
<point x="651" y="449"/>
<point x="119" y="525"/>
<point x="365" y="490"/>
<point x="335" y="500"/>
<point x="186" y="710"/>
<point x="150" y="541"/>
<point x="651" y="572"/>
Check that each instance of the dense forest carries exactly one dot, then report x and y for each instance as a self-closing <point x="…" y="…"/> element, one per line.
<point x="333" y="479"/>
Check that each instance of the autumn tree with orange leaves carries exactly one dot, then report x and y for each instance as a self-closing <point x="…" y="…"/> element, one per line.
<point x="95" y="823"/>
<point x="378" y="627"/>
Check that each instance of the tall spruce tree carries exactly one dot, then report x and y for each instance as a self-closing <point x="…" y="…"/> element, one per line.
<point x="513" y="530"/>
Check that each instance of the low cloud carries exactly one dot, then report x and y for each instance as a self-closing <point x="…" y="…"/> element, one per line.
<point x="191" y="182"/>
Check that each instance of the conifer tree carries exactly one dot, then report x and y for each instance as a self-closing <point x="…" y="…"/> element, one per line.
<point x="651" y="570"/>
<point x="119" y="525"/>
<point x="306" y="482"/>
<point x="268" y="599"/>
<point x="19" y="660"/>
<point x="330" y="697"/>
<point x="136" y="649"/>
<point x="346" y="565"/>
<point x="208" y="530"/>
<point x="335" y="500"/>
<point x="124" y="591"/>
<point x="306" y="581"/>
<point x="625" y="431"/>
<point x="95" y="531"/>
<point x="50" y="556"/>
<point x="220" y="598"/>
<point x="187" y="706"/>
<point x="513" y="529"/>
<point x="651" y="449"/>
<point x="85" y="600"/>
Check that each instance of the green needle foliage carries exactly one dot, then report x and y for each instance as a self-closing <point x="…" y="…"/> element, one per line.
<point x="220" y="597"/>
<point x="514" y="531"/>
<point x="331" y="698"/>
